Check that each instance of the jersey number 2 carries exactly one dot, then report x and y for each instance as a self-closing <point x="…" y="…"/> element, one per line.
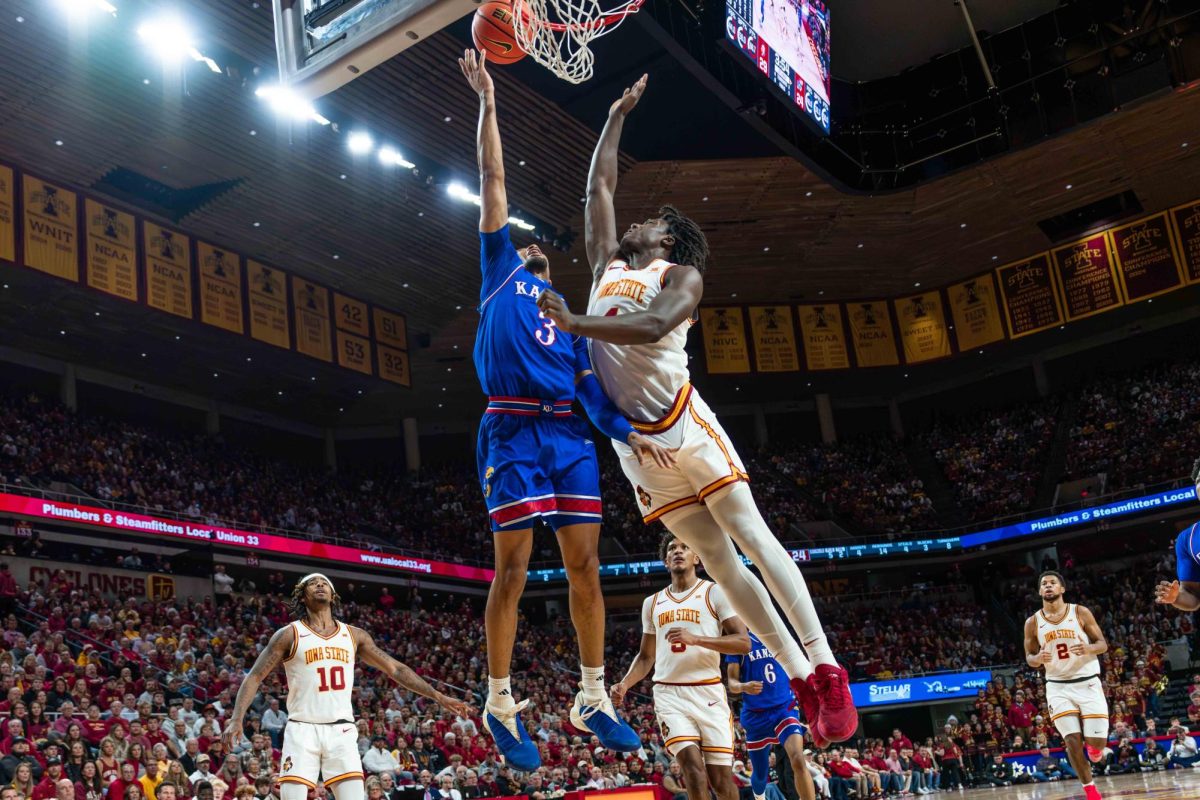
<point x="546" y="335"/>
<point x="336" y="679"/>
<point x="1064" y="652"/>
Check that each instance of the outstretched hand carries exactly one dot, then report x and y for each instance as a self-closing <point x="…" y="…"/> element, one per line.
<point x="626" y="102"/>
<point x="554" y="308"/>
<point x="1167" y="592"/>
<point x="474" y="68"/>
<point x="455" y="706"/>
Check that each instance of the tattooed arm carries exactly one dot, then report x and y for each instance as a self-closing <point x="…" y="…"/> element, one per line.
<point x="271" y="657"/>
<point x="370" y="654"/>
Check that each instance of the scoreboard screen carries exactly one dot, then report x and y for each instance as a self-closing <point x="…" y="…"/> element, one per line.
<point x="788" y="41"/>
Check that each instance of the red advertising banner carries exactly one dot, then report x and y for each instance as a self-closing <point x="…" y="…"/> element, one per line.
<point x="258" y="542"/>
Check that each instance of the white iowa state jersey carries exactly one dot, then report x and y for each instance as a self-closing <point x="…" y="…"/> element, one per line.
<point x="320" y="675"/>
<point x="700" y="610"/>
<point x="1065" y="665"/>
<point x="642" y="380"/>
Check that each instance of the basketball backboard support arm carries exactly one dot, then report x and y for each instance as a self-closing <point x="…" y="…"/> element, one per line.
<point x="324" y="44"/>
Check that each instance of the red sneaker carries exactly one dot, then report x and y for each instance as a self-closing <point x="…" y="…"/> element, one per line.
<point x="1091" y="792"/>
<point x="806" y="696"/>
<point x="838" y="718"/>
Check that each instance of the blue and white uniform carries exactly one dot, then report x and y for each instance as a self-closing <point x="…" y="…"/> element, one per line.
<point x="1187" y="554"/>
<point x="770" y="716"/>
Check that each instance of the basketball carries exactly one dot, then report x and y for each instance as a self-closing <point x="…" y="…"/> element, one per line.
<point x="492" y="30"/>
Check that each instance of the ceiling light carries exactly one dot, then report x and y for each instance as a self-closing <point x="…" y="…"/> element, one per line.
<point x="404" y="285"/>
<point x="359" y="143"/>
<point x="917" y="285"/>
<point x="258" y="224"/>
<point x="62" y="333"/>
<point x="808" y="194"/>
<point x="962" y="225"/>
<point x="1070" y="186"/>
<point x="143" y="355"/>
<point x="458" y="308"/>
<point x="520" y="163"/>
<point x="390" y="157"/>
<point x="336" y="256"/>
<point x="168" y="38"/>
<point x="177" y="338"/>
<point x="341" y="409"/>
<point x="254" y="133"/>
<point x="287" y="103"/>
<point x="1185" y="144"/>
<point x="447" y="119"/>
<point x="58" y="142"/>
<point x="860" y="244"/>
<point x="146" y="81"/>
<point x="214" y="374"/>
<point x="79" y="6"/>
<point x="314" y="377"/>
<point x="766" y="249"/>
<point x="360" y="391"/>
<point x="994" y="258"/>
<point x="734" y="294"/>
<point x="281" y="393"/>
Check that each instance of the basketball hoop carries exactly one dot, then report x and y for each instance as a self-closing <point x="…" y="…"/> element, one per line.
<point x="557" y="33"/>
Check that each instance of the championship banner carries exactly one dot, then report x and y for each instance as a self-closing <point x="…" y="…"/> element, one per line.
<point x="51" y="230"/>
<point x="774" y="339"/>
<point x="724" y="332"/>
<point x="1027" y="292"/>
<point x="8" y="215"/>
<point x="923" y="331"/>
<point x="824" y="337"/>
<point x="267" y="288"/>
<point x="220" y="288"/>
<point x="871" y="332"/>
<point x="1186" y="220"/>
<point x="354" y="352"/>
<point x="351" y="315"/>
<point x="975" y="312"/>
<point x="1087" y="277"/>
<point x="168" y="270"/>
<point x="1145" y="255"/>
<point x="391" y="329"/>
<point x="310" y="303"/>
<point x="393" y="365"/>
<point x="111" y="250"/>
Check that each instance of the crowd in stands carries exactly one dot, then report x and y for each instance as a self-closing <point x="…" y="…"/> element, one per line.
<point x="994" y="460"/>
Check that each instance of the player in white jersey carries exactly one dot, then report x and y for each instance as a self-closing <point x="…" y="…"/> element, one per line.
<point x="1065" y="640"/>
<point x="318" y="654"/>
<point x="685" y="629"/>
<point x="647" y="285"/>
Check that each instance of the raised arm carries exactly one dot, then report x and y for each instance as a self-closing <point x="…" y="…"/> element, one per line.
<point x="272" y="656"/>
<point x="1035" y="656"/>
<point x="600" y="218"/>
<point x="1088" y="622"/>
<point x="493" y="201"/>
<point x="682" y="289"/>
<point x="734" y="639"/>
<point x="371" y="655"/>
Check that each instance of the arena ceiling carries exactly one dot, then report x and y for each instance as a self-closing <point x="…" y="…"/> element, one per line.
<point x="293" y="196"/>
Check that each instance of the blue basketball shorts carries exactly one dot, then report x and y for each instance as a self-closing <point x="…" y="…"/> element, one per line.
<point x="771" y="726"/>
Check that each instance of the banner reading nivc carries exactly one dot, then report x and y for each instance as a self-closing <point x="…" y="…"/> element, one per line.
<point x="926" y="688"/>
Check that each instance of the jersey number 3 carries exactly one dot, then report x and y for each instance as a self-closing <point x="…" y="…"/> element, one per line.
<point x="336" y="680"/>
<point x="546" y="335"/>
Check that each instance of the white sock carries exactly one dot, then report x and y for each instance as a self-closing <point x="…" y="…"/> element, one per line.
<point x="735" y="511"/>
<point x="1088" y="784"/>
<point x="500" y="693"/>
<point x="745" y="592"/>
<point x="592" y="683"/>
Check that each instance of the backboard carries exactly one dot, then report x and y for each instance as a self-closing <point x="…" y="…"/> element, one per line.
<point x="324" y="44"/>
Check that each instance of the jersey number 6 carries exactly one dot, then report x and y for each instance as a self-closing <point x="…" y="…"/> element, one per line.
<point x="336" y="681"/>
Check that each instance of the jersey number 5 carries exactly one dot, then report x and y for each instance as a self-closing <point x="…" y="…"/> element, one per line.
<point x="1063" y="652"/>
<point x="336" y="679"/>
<point x="678" y="647"/>
<point x="546" y="335"/>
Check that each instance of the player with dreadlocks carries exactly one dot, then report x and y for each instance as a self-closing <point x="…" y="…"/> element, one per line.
<point x="318" y="654"/>
<point x="646" y="288"/>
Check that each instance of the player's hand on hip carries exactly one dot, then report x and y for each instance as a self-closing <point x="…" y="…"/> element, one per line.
<point x="1167" y="592"/>
<point x="555" y="308"/>
<point x="474" y="68"/>
<point x="233" y="734"/>
<point x="643" y="448"/>
<point x="752" y="687"/>
<point x="617" y="693"/>
<point x="681" y="636"/>
<point x="626" y="102"/>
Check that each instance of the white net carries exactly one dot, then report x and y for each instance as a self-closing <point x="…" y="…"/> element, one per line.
<point x="557" y="33"/>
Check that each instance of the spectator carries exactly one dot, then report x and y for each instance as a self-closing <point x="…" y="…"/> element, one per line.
<point x="47" y="787"/>
<point x="151" y="780"/>
<point x="999" y="772"/>
<point x="1184" y="752"/>
<point x="23" y="780"/>
<point x="64" y="789"/>
<point x="202" y="773"/>
<point x="1047" y="767"/>
<point x="18" y="755"/>
<point x="89" y="785"/>
<point x="273" y="720"/>
<point x="378" y="758"/>
<point x="1153" y="757"/>
<point x="673" y="782"/>
<point x="204" y="791"/>
<point x="222" y="585"/>
<point x="842" y="776"/>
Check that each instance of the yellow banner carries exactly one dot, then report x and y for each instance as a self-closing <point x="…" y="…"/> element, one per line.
<point x="1027" y="291"/>
<point x="774" y="339"/>
<point x="391" y="329"/>
<point x="824" y="337"/>
<point x="8" y="215"/>
<point x="111" y="249"/>
<point x="168" y="270"/>
<point x="267" y="288"/>
<point x="220" y="287"/>
<point x="351" y="315"/>
<point x="923" y="331"/>
<point x="51" y="232"/>
<point x="976" y="312"/>
<point x="871" y="332"/>
<point x="1186" y="221"/>
<point x="393" y="365"/>
<point x="310" y="304"/>
<point x="354" y="352"/>
<point x="724" y="333"/>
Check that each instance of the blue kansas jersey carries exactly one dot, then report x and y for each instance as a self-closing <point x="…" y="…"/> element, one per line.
<point x="1187" y="554"/>
<point x="771" y="715"/>
<point x="518" y="352"/>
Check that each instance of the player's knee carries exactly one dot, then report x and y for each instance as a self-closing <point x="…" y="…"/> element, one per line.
<point x="582" y="567"/>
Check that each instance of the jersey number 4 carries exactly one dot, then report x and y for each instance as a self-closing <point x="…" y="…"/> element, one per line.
<point x="336" y="680"/>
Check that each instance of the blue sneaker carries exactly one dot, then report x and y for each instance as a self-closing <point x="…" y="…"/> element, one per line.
<point x="602" y="720"/>
<point x="511" y="738"/>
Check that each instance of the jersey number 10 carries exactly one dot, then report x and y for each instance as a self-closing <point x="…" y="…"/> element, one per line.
<point x="336" y="679"/>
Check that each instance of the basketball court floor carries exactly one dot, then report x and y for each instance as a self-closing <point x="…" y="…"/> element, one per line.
<point x="1177" y="784"/>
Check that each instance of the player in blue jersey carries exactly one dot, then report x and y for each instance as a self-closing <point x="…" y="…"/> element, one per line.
<point x="1184" y="592"/>
<point x="769" y="716"/>
<point x="535" y="458"/>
